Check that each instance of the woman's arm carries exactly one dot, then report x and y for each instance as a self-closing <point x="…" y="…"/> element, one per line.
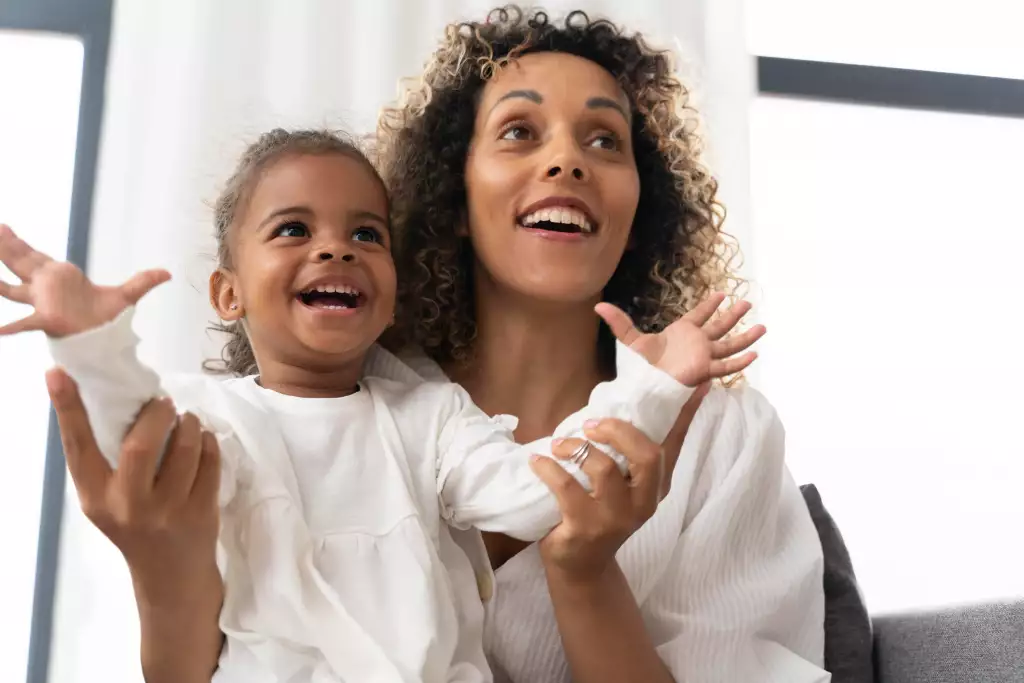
<point x="165" y="526"/>
<point x="602" y="630"/>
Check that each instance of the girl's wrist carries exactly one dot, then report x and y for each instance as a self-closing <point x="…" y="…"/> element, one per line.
<point x="178" y="588"/>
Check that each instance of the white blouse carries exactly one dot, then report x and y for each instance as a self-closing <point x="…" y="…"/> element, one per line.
<point x="337" y="513"/>
<point x="727" y="573"/>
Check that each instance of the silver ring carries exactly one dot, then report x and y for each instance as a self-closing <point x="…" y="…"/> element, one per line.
<point x="580" y="455"/>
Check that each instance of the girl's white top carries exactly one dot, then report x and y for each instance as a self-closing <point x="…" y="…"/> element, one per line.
<point x="727" y="573"/>
<point x="337" y="514"/>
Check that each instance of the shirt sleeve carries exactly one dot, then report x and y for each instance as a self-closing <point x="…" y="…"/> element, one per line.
<point x="741" y="599"/>
<point x="115" y="385"/>
<point x="484" y="478"/>
<point x="113" y="382"/>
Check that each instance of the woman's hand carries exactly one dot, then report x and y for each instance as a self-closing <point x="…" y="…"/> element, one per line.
<point x="164" y="521"/>
<point x="594" y="525"/>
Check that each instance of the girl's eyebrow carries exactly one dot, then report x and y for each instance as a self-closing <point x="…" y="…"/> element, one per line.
<point x="291" y="210"/>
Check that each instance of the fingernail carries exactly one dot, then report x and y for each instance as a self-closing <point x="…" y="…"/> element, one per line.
<point x="591" y="424"/>
<point x="557" y="442"/>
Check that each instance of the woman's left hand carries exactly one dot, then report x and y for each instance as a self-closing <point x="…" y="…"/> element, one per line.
<point x="594" y="525"/>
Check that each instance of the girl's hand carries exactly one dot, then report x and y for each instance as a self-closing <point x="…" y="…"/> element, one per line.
<point x="164" y="521"/>
<point x="65" y="300"/>
<point x="594" y="525"/>
<point x="691" y="349"/>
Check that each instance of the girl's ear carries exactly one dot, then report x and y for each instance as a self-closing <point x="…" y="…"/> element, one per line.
<point x="225" y="295"/>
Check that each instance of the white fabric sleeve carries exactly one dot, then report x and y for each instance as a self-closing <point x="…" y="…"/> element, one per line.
<point x="484" y="478"/>
<point x="114" y="385"/>
<point x="741" y="598"/>
<point x="113" y="382"/>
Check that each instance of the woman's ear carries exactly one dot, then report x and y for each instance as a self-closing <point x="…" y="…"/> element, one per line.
<point x="224" y="295"/>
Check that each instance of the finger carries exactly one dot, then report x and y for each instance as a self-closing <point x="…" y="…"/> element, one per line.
<point x="177" y="471"/>
<point x="31" y="323"/>
<point x="672" y="446"/>
<point x="143" y="445"/>
<point x="608" y="482"/>
<point x="733" y="345"/>
<point x="16" y="293"/>
<point x="730" y="366"/>
<point x="646" y="458"/>
<point x="705" y="309"/>
<point x="140" y="284"/>
<point x="89" y="469"/>
<point x="573" y="500"/>
<point x="619" y="321"/>
<point x="17" y="255"/>
<point x="207" y="481"/>
<point x="720" y="326"/>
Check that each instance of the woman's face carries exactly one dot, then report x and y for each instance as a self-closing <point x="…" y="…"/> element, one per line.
<point x="551" y="180"/>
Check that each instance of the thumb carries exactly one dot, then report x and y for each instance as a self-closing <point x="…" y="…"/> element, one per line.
<point x="140" y="284"/>
<point x="619" y="321"/>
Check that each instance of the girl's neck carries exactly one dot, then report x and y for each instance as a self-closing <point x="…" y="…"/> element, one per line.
<point x="535" y="360"/>
<point x="293" y="379"/>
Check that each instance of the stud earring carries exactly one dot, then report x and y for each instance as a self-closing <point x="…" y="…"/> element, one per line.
<point x="234" y="307"/>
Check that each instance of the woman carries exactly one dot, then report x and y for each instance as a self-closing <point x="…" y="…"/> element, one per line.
<point x="536" y="170"/>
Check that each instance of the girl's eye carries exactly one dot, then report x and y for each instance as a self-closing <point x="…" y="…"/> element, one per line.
<point x="515" y="131"/>
<point x="367" y="234"/>
<point x="292" y="229"/>
<point x="609" y="141"/>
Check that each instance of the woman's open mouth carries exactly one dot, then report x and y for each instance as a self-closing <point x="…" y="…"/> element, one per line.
<point x="332" y="297"/>
<point x="563" y="219"/>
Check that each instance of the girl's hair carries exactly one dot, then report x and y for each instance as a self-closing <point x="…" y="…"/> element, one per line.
<point x="237" y="357"/>
<point x="681" y="254"/>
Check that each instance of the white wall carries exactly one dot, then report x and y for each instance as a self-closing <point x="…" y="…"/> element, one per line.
<point x="191" y="82"/>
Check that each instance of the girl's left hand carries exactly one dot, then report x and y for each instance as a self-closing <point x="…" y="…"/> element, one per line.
<point x="594" y="525"/>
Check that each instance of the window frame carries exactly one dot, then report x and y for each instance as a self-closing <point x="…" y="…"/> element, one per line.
<point x="892" y="87"/>
<point x="90" y="21"/>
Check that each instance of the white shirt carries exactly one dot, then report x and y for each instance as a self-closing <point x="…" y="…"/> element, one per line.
<point x="337" y="563"/>
<point x="727" y="573"/>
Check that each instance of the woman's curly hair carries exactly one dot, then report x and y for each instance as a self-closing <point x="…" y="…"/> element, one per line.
<point x="681" y="254"/>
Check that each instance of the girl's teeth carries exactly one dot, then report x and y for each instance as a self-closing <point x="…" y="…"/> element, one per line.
<point x="558" y="215"/>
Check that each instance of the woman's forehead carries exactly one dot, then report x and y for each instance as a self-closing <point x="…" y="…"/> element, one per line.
<point x="544" y="75"/>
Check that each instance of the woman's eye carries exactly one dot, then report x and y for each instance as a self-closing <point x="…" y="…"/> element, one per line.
<point x="292" y="229"/>
<point x="368" y="235"/>
<point x="605" y="142"/>
<point x="515" y="132"/>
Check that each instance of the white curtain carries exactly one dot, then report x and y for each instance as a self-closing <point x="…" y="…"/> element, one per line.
<point x="190" y="82"/>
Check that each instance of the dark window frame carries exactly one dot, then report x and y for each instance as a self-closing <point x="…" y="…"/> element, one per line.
<point x="885" y="86"/>
<point x="90" y="22"/>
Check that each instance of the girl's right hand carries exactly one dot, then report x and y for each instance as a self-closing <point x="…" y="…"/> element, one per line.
<point x="64" y="300"/>
<point x="164" y="521"/>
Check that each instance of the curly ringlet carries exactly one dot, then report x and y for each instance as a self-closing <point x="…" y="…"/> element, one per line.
<point x="681" y="253"/>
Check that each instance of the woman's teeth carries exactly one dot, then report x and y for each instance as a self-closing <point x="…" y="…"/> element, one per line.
<point x="559" y="216"/>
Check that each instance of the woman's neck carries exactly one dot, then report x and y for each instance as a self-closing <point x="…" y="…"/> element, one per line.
<point x="535" y="360"/>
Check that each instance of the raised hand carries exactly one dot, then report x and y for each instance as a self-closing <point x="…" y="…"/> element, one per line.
<point x="64" y="300"/>
<point x="691" y="349"/>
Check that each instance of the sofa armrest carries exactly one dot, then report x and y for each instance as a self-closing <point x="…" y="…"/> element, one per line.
<point x="979" y="643"/>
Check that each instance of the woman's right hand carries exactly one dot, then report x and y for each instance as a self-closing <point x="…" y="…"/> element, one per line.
<point x="165" y="522"/>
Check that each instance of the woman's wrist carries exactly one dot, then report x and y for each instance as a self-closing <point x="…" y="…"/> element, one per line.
<point x="163" y="588"/>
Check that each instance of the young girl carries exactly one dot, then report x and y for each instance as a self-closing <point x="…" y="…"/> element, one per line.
<point x="339" y="461"/>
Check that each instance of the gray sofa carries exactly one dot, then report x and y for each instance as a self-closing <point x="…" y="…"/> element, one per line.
<point x="970" y="644"/>
<point x="975" y="644"/>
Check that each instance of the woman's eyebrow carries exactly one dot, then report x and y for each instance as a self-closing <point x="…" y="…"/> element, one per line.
<point x="607" y="103"/>
<point x="531" y="95"/>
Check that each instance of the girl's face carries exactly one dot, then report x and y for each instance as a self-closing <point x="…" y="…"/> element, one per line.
<point x="551" y="179"/>
<point x="311" y="267"/>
